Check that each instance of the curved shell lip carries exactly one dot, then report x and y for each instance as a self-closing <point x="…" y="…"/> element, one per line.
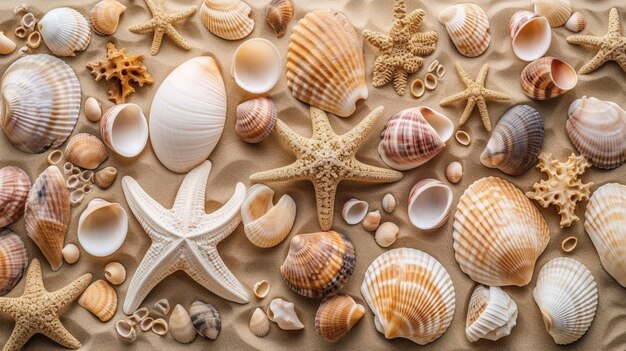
<point x="114" y="235"/>
<point x="427" y="216"/>
<point x="563" y="74"/>
<point x="122" y="143"/>
<point x="354" y="211"/>
<point x="255" y="84"/>
<point x="273" y="223"/>
<point x="540" y="32"/>
<point x="467" y="45"/>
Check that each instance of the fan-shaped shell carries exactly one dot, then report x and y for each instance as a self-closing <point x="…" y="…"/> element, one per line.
<point x="336" y="316"/>
<point x="259" y="324"/>
<point x="325" y="65"/>
<point x="7" y="45"/>
<point x="468" y="27"/>
<point x="13" y="260"/>
<point x="278" y="14"/>
<point x="100" y="299"/>
<point x="491" y="314"/>
<point x="206" y="319"/>
<point x="548" y="77"/>
<point x="93" y="109"/>
<point x="576" y="22"/>
<point x="40" y="102"/>
<point x="556" y="11"/>
<point x="14" y="188"/>
<point x="598" y="131"/>
<point x="411" y="295"/>
<point x="105" y="16"/>
<point x="516" y="141"/>
<point x="188" y="114"/>
<point x="256" y="119"/>
<point x="413" y="136"/>
<point x="567" y="296"/>
<point x="86" y="151"/>
<point x="319" y="264"/>
<point x="531" y="35"/>
<point x="180" y="325"/>
<point x="265" y="224"/>
<point x="228" y="19"/>
<point x="65" y="31"/>
<point x="498" y="233"/>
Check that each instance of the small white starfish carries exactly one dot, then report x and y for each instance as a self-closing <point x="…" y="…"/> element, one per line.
<point x="184" y="238"/>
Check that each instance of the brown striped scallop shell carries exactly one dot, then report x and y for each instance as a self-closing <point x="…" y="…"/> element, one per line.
<point x="336" y="316"/>
<point x="13" y="260"/>
<point x="547" y="77"/>
<point x="14" y="188"/>
<point x="105" y="16"/>
<point x="85" y="151"/>
<point x="468" y="27"/>
<point x="256" y="119"/>
<point x="228" y="19"/>
<point x="278" y="14"/>
<point x="100" y="299"/>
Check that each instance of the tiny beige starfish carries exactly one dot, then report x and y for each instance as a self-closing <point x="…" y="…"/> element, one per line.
<point x="326" y="159"/>
<point x="161" y="23"/>
<point x="612" y="46"/>
<point x="37" y="310"/>
<point x="475" y="94"/>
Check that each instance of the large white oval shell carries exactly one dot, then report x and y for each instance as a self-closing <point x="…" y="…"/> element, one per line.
<point x="65" y="30"/>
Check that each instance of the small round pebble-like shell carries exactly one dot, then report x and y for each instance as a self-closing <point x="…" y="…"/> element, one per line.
<point x="85" y="151"/>
<point x="256" y="119"/>
<point x="261" y="288"/>
<point x="556" y="11"/>
<point x="100" y="299"/>
<point x="93" y="109"/>
<point x="372" y="221"/>
<point x="65" y="31"/>
<point x="336" y="316"/>
<point x="454" y="172"/>
<point x="228" y="19"/>
<point x="576" y="23"/>
<point x="389" y="203"/>
<point x="105" y="16"/>
<point x="14" y="188"/>
<point x="386" y="234"/>
<point x="71" y="253"/>
<point x="115" y="273"/>
<point x="278" y="14"/>
<point x="491" y="314"/>
<point x="468" y="27"/>
<point x="259" y="323"/>
<point x="206" y="319"/>
<point x="13" y="260"/>
<point x="7" y="45"/>
<point x="181" y="327"/>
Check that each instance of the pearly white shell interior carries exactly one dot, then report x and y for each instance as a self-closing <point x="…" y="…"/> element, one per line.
<point x="129" y="132"/>
<point x="102" y="227"/>
<point x="244" y="76"/>
<point x="533" y="39"/>
<point x="430" y="205"/>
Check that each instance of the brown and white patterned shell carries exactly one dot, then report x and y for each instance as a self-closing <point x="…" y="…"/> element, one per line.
<point x="278" y="14"/>
<point x="548" y="77"/>
<point x="228" y="19"/>
<point x="13" y="260"/>
<point x="14" y="188"/>
<point x="85" y="151"/>
<point x="336" y="316"/>
<point x="100" y="299"/>
<point x="468" y="27"/>
<point x="206" y="319"/>
<point x="256" y="119"/>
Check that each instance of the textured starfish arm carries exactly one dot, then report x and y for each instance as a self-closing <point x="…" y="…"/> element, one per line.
<point x="424" y="43"/>
<point x="57" y="332"/>
<point x="293" y="171"/>
<point x="482" y="74"/>
<point x="399" y="81"/>
<point x="325" y="199"/>
<point x="71" y="292"/>
<point x="143" y="28"/>
<point x="321" y="126"/>
<point x="362" y="131"/>
<point x="156" y="40"/>
<point x="216" y="277"/>
<point x="18" y="338"/>
<point x="151" y="215"/>
<point x="383" y="72"/>
<point x="222" y="222"/>
<point x="454" y="98"/>
<point x="414" y="19"/>
<point x="471" y="103"/>
<point x="598" y="60"/>
<point x="176" y="37"/>
<point x="463" y="75"/>
<point x="621" y="60"/>
<point x="191" y="194"/>
<point x="365" y="173"/>
<point x="379" y="40"/>
<point x="484" y="113"/>
<point x="585" y="40"/>
<point x="181" y="15"/>
<point x="495" y="95"/>
<point x="295" y="142"/>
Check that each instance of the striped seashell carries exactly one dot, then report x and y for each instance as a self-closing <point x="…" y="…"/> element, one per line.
<point x="336" y="316"/>
<point x="14" y="188"/>
<point x="256" y="119"/>
<point x="547" y="77"/>
<point x="228" y="19"/>
<point x="498" y="233"/>
<point x="413" y="136"/>
<point x="7" y="45"/>
<point x="65" y="31"/>
<point x="278" y="13"/>
<point x="411" y="295"/>
<point x="598" y="131"/>
<point x="93" y="109"/>
<point x="265" y="224"/>
<point x="386" y="234"/>
<point x="468" y="27"/>
<point x="429" y="202"/>
<point x="206" y="319"/>
<point x="105" y="16"/>
<point x="13" y="260"/>
<point x="124" y="129"/>
<point x="516" y="141"/>
<point x="40" y="102"/>
<point x="531" y="35"/>
<point x="100" y="299"/>
<point x="259" y="323"/>
<point x="105" y="177"/>
<point x="326" y="39"/>
<point x="567" y="296"/>
<point x="85" y="151"/>
<point x="491" y="314"/>
<point x="319" y="264"/>
<point x="576" y="23"/>
<point x="180" y="325"/>
<point x="556" y="11"/>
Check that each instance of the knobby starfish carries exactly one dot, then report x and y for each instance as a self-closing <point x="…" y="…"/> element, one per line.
<point x="161" y="23"/>
<point x="184" y="238"/>
<point x="400" y="50"/>
<point x="612" y="46"/>
<point x="37" y="310"/>
<point x="475" y="94"/>
<point x="326" y="159"/>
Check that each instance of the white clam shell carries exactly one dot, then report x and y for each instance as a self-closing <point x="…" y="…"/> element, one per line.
<point x="531" y="35"/>
<point x="124" y="129"/>
<point x="256" y="65"/>
<point x="454" y="172"/>
<point x="65" y="31"/>
<point x="354" y="211"/>
<point x="468" y="27"/>
<point x="93" y="110"/>
<point x="386" y="234"/>
<point x="102" y="227"/>
<point x="430" y="202"/>
<point x="265" y="224"/>
<point x="284" y="314"/>
<point x="491" y="314"/>
<point x="228" y="19"/>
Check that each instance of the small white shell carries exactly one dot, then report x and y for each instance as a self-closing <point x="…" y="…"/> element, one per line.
<point x="354" y="210"/>
<point x="71" y="254"/>
<point x="441" y="71"/>
<point x="372" y="221"/>
<point x="162" y="307"/>
<point x="284" y="314"/>
<point x="256" y="65"/>
<point x="115" y="273"/>
<point x="146" y="324"/>
<point x="102" y="227"/>
<point x="259" y="324"/>
<point x="454" y="172"/>
<point x="72" y="182"/>
<point x="569" y="244"/>
<point x="28" y="22"/>
<point x="261" y="289"/>
<point x="491" y="314"/>
<point x="7" y="45"/>
<point x="576" y="22"/>
<point x="429" y="204"/>
<point x="77" y="196"/>
<point x="93" y="110"/>
<point x="65" y="31"/>
<point x="433" y="66"/>
<point x="265" y="224"/>
<point x="181" y="327"/>
<point x="86" y="176"/>
<point x="21" y="8"/>
<point x="126" y="330"/>
<point x="34" y="40"/>
<point x="531" y="35"/>
<point x="389" y="203"/>
<point x="386" y="234"/>
<point x="139" y="315"/>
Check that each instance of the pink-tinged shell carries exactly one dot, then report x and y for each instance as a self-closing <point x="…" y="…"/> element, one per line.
<point x="531" y="35"/>
<point x="430" y="202"/>
<point x="13" y="260"/>
<point x="256" y="119"/>
<point x="14" y="188"/>
<point x="468" y="27"/>
<point x="105" y="16"/>
<point x="548" y="77"/>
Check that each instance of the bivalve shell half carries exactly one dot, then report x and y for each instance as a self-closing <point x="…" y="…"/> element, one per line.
<point x="105" y="16"/>
<point x="181" y="327"/>
<point x="14" y="188"/>
<point x="491" y="314"/>
<point x="206" y="319"/>
<point x="371" y="222"/>
<point x="325" y="64"/>
<point x="228" y="19"/>
<point x="7" y="45"/>
<point x="498" y="233"/>
<point x="105" y="177"/>
<point x="13" y="260"/>
<point x="265" y="224"/>
<point x="389" y="203"/>
<point x="259" y="323"/>
<point x="284" y="314"/>
<point x="548" y="77"/>
<point x="468" y="27"/>
<point x="100" y="299"/>
<point x="386" y="234"/>
<point x="531" y="35"/>
<point x="278" y="14"/>
<point x="256" y="65"/>
<point x="102" y="227"/>
<point x="124" y="129"/>
<point x="411" y="295"/>
<point x="576" y="23"/>
<point x="556" y="11"/>
<point x="65" y="31"/>
<point x="430" y="202"/>
<point x="567" y="296"/>
<point x="256" y="119"/>
<point x="336" y="316"/>
<point x="319" y="264"/>
<point x="85" y="151"/>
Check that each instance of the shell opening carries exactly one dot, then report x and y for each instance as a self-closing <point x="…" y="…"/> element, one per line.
<point x="102" y="228"/>
<point x="462" y="137"/>
<point x="563" y="75"/>
<point x="430" y="206"/>
<point x="256" y="65"/>
<point x="440" y="123"/>
<point x="533" y="39"/>
<point x="128" y="130"/>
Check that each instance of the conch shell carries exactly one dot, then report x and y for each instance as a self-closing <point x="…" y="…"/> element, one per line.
<point x="65" y="31"/>
<point x="14" y="188"/>
<point x="105" y="16"/>
<point x="228" y="19"/>
<point x="336" y="316"/>
<point x="85" y="151"/>
<point x="265" y="224"/>
<point x="100" y="299"/>
<point x="491" y="314"/>
<point x="468" y="27"/>
<point x="278" y="14"/>
<point x="13" y="260"/>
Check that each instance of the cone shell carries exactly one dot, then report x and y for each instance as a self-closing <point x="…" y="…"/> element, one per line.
<point x="65" y="31"/>
<point x="531" y="35"/>
<point x="284" y="314"/>
<point x="206" y="319"/>
<point x="468" y="27"/>
<point x="491" y="314"/>
<point x="556" y="11"/>
<point x="102" y="227"/>
<point x="259" y="324"/>
<point x="516" y="141"/>
<point x="100" y="299"/>
<point x="411" y="295"/>
<point x="576" y="23"/>
<point x="105" y="16"/>
<point x="325" y="65"/>
<point x="548" y="77"/>
<point x="7" y="45"/>
<point x="567" y="296"/>
<point x="13" y="260"/>
<point x="498" y="233"/>
<point x="14" y="189"/>
<point x="105" y="177"/>
<point x="256" y="119"/>
<point x="181" y="326"/>
<point x="413" y="136"/>
<point x="430" y="202"/>
<point x="336" y="316"/>
<point x="319" y="264"/>
<point x="188" y="114"/>
<point x="124" y="129"/>
<point x="265" y="224"/>
<point x="228" y="19"/>
<point x="85" y="151"/>
<point x="598" y="131"/>
<point x="278" y="14"/>
<point x="40" y="102"/>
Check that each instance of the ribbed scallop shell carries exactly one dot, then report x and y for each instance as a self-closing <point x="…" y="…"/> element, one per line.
<point x="278" y="14"/>
<point x="13" y="260"/>
<point x="180" y="325"/>
<point x="411" y="295"/>
<point x="556" y="11"/>
<point x="491" y="314"/>
<point x="336" y="316"/>
<point x="7" y="45"/>
<point x="256" y="119"/>
<point x="85" y="151"/>
<point x="413" y="136"/>
<point x="548" y="77"/>
<point x="605" y="222"/>
<point x="265" y="224"/>
<point x="100" y="299"/>
<point x="259" y="324"/>
<point x="228" y="19"/>
<point x="498" y="233"/>
<point x="206" y="319"/>
<point x="567" y="296"/>
<point x="105" y="16"/>
<point x="516" y="141"/>
<point x="319" y="264"/>
<point x="14" y="188"/>
<point x="325" y="65"/>
<point x="598" y="131"/>
<point x="468" y="27"/>
<point x="188" y="114"/>
<point x="40" y="102"/>
<point x="65" y="31"/>
<point x="576" y="22"/>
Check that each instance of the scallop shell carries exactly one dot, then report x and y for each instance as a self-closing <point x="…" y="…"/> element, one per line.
<point x="548" y="77"/>
<point x="85" y="151"/>
<point x="265" y="224"/>
<point x="93" y="109"/>
<point x="126" y="330"/>
<point x="336" y="316"/>
<point x="284" y="314"/>
<point x="556" y="11"/>
<point x="498" y="233"/>
<point x="576" y="23"/>
<point x="430" y="202"/>
<point x="325" y="65"/>
<point x="105" y="177"/>
<point x="188" y="114"/>
<point x="386" y="234"/>
<point x="411" y="295"/>
<point x="40" y="102"/>
<point x="105" y="16"/>
<point x="256" y="65"/>
<point x="47" y="214"/>
<point x="100" y="299"/>
<point x="13" y="260"/>
<point x="259" y="324"/>
<point x="598" y="131"/>
<point x="354" y="211"/>
<point x="14" y="189"/>
<point x="162" y="307"/>
<point x="567" y="296"/>
<point x="256" y="119"/>
<point x="7" y="45"/>
<point x="413" y="136"/>
<point x="70" y="253"/>
<point x="181" y="326"/>
<point x="124" y="129"/>
<point x="206" y="319"/>
<point x="102" y="227"/>
<point x="516" y="141"/>
<point x="278" y="14"/>
<point x="468" y="27"/>
<point x="228" y="19"/>
<point x="454" y="172"/>
<point x="531" y="35"/>
<point x="65" y="31"/>
<point x="491" y="314"/>
<point x="115" y="273"/>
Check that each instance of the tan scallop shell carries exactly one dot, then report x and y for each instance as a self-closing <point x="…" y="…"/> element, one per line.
<point x="576" y="23"/>
<point x="548" y="77"/>
<point x="336" y="316"/>
<point x="556" y="11"/>
<point x="278" y="14"/>
<point x="115" y="273"/>
<point x="93" y="109"/>
<point x="265" y="224"/>
<point x="180" y="325"/>
<point x="70" y="253"/>
<point x="7" y="45"/>
<point x="13" y="260"/>
<point x="85" y="151"/>
<point x="228" y="19"/>
<point x="65" y="31"/>
<point x="468" y="27"/>
<point x="325" y="65"/>
<point x="259" y="323"/>
<point x="105" y="16"/>
<point x="491" y="314"/>
<point x="100" y="299"/>
<point x="105" y="177"/>
<point x="14" y="188"/>
<point x="256" y="119"/>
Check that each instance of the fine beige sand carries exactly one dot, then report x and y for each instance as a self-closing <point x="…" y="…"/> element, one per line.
<point x="234" y="161"/>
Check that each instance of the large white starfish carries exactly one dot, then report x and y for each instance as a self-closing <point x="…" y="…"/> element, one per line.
<point x="184" y="238"/>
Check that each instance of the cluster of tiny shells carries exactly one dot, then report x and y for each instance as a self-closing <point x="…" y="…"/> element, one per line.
<point x="430" y="81"/>
<point x="141" y="318"/>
